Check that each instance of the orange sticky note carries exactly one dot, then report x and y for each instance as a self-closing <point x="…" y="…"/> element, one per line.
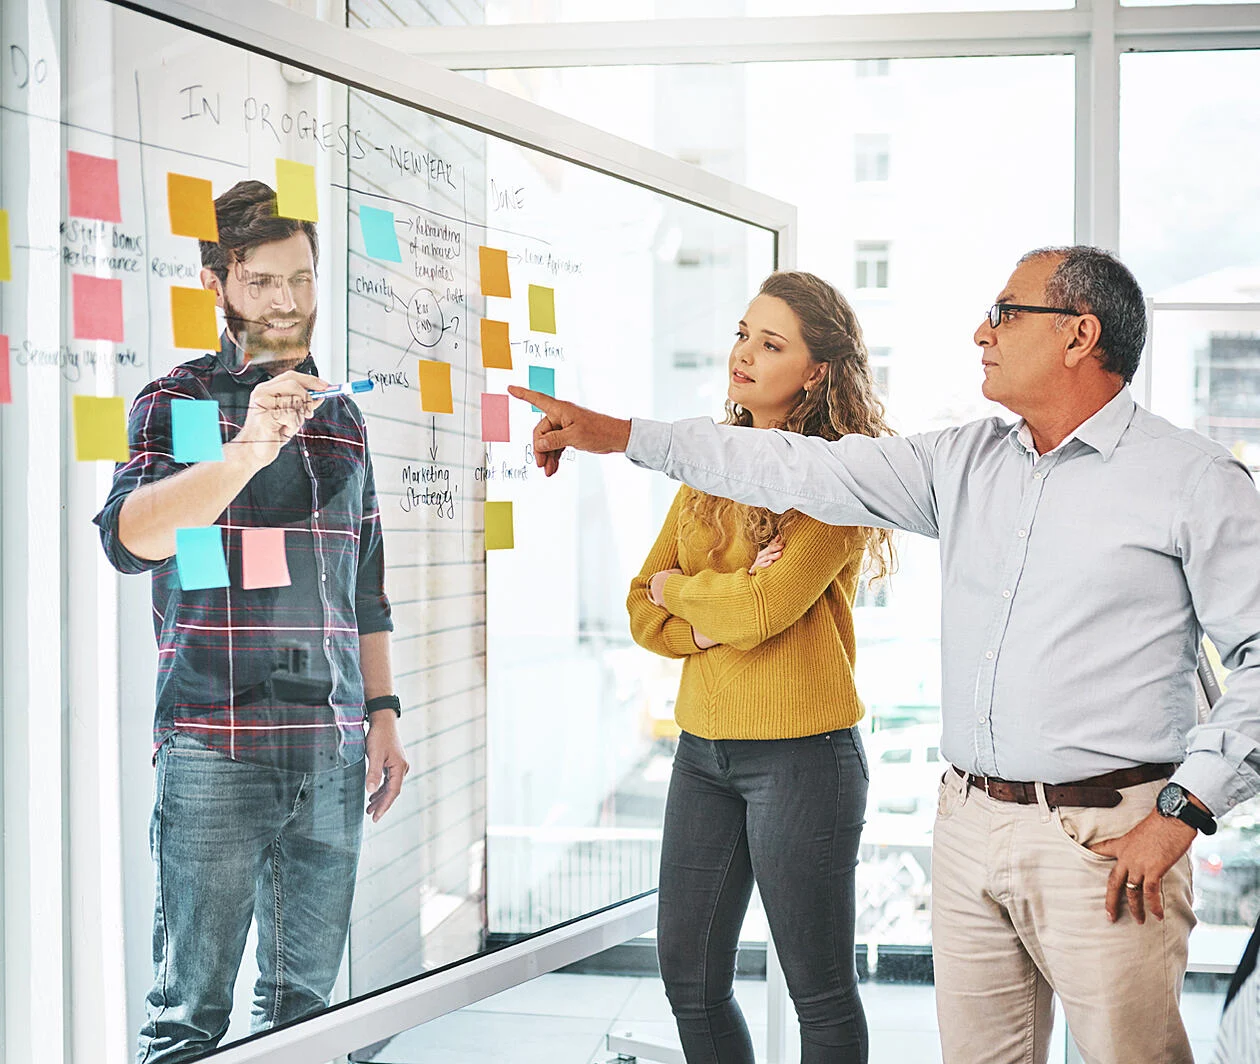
<point x="6" y="384"/>
<point x="496" y="348"/>
<point x="100" y="428"/>
<point x="542" y="309"/>
<point x="295" y="191"/>
<point x="263" y="561"/>
<point x="192" y="318"/>
<point x="435" y="387"/>
<point x="98" y="307"/>
<point x="494" y="418"/>
<point x="494" y="272"/>
<point x="190" y="203"/>
<point x="499" y="532"/>
<point x="6" y="265"/>
<point x="93" y="187"/>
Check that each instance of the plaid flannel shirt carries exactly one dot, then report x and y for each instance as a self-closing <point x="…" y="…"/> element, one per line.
<point x="269" y="676"/>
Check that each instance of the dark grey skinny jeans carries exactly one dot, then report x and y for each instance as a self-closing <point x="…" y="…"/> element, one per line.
<point x="787" y="813"/>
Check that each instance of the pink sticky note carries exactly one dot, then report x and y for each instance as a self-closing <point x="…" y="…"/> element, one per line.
<point x="98" y="309"/>
<point x="6" y="387"/>
<point x="494" y="418"/>
<point x="263" y="561"/>
<point x="93" y="183"/>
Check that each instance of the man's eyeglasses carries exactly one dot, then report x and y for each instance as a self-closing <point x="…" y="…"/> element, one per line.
<point x="999" y="310"/>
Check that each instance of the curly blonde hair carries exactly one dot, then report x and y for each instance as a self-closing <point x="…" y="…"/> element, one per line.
<point x="844" y="402"/>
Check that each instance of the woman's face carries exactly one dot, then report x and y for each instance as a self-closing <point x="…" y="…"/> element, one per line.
<point x="770" y="365"/>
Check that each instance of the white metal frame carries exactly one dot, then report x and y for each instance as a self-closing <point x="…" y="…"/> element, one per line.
<point x="1096" y="32"/>
<point x="364" y="1021"/>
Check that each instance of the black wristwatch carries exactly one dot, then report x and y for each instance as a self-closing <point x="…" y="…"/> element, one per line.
<point x="384" y="702"/>
<point x="1174" y="802"/>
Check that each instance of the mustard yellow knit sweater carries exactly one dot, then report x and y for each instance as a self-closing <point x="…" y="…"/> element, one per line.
<point x="784" y="664"/>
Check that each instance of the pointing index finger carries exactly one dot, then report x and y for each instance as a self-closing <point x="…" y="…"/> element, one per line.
<point x="548" y="404"/>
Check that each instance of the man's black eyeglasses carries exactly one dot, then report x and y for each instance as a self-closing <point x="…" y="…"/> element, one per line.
<point x="999" y="309"/>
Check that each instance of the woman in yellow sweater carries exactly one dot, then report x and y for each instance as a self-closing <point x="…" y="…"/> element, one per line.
<point x="769" y="781"/>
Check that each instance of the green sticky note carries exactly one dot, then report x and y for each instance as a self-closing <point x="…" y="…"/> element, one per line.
<point x="100" y="429"/>
<point x="542" y="379"/>
<point x="295" y="191"/>
<point x="499" y="535"/>
<point x="6" y="264"/>
<point x="199" y="558"/>
<point x="380" y="238"/>
<point x="195" y="430"/>
<point x="542" y="309"/>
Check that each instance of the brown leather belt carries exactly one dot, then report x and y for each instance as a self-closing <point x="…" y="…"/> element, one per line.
<point x="1098" y="792"/>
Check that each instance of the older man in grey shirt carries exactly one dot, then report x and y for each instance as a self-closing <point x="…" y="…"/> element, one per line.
<point x="1084" y="550"/>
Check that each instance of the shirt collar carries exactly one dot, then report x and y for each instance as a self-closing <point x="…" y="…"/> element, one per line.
<point x="233" y="360"/>
<point x="1101" y="431"/>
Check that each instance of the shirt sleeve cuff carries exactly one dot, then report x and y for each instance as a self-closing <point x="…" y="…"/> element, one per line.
<point x="649" y="443"/>
<point x="117" y="555"/>
<point x="1215" y="781"/>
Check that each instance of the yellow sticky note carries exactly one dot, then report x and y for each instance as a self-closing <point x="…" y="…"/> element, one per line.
<point x="542" y="309"/>
<point x="100" y="428"/>
<point x="190" y="203"/>
<point x="499" y="534"/>
<point x="496" y="348"/>
<point x="435" y="387"/>
<point x="192" y="318"/>
<point x="494" y="272"/>
<point x="295" y="191"/>
<point x="6" y="265"/>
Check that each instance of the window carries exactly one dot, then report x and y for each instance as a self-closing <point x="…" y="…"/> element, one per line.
<point x="872" y="68"/>
<point x="872" y="265"/>
<point x="870" y="157"/>
<point x="881" y="369"/>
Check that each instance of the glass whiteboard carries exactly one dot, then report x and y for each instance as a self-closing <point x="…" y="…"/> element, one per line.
<point x="530" y="721"/>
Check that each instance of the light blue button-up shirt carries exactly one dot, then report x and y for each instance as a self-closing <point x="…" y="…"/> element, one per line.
<point x="1076" y="585"/>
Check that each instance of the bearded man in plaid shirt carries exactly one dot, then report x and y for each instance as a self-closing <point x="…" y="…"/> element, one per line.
<point x="262" y="695"/>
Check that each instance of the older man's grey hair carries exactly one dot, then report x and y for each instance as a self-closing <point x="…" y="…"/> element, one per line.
<point x="1092" y="281"/>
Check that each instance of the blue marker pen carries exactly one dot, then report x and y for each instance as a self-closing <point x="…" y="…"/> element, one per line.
<point x="352" y="388"/>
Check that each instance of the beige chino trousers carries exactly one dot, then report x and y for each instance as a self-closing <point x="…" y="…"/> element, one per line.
<point x="1018" y="917"/>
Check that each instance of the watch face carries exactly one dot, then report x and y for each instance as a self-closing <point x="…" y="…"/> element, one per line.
<point x="1171" y="800"/>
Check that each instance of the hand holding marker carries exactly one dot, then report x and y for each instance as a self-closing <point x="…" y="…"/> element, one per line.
<point x="349" y="388"/>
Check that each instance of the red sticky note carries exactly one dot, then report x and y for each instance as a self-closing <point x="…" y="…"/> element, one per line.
<point x="263" y="561"/>
<point x="93" y="183"/>
<point x="98" y="308"/>
<point x="6" y="386"/>
<point x="494" y="418"/>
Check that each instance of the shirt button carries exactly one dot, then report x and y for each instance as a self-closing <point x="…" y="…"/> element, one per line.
<point x="1037" y="476"/>
<point x="982" y="718"/>
<point x="1006" y="594"/>
<point x="315" y="517"/>
<point x="305" y="453"/>
<point x="323" y="576"/>
<point x="989" y="654"/>
<point x="1022" y="532"/>
<point x="327" y="642"/>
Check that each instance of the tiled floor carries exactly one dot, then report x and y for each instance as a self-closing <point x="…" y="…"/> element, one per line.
<point x="564" y="1019"/>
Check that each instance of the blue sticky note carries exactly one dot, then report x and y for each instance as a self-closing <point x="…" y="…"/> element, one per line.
<point x="199" y="558"/>
<point x="195" y="430"/>
<point x="542" y="379"/>
<point x="380" y="238"/>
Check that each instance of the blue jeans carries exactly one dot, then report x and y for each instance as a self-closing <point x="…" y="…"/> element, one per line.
<point x="787" y="813"/>
<point x="232" y="841"/>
